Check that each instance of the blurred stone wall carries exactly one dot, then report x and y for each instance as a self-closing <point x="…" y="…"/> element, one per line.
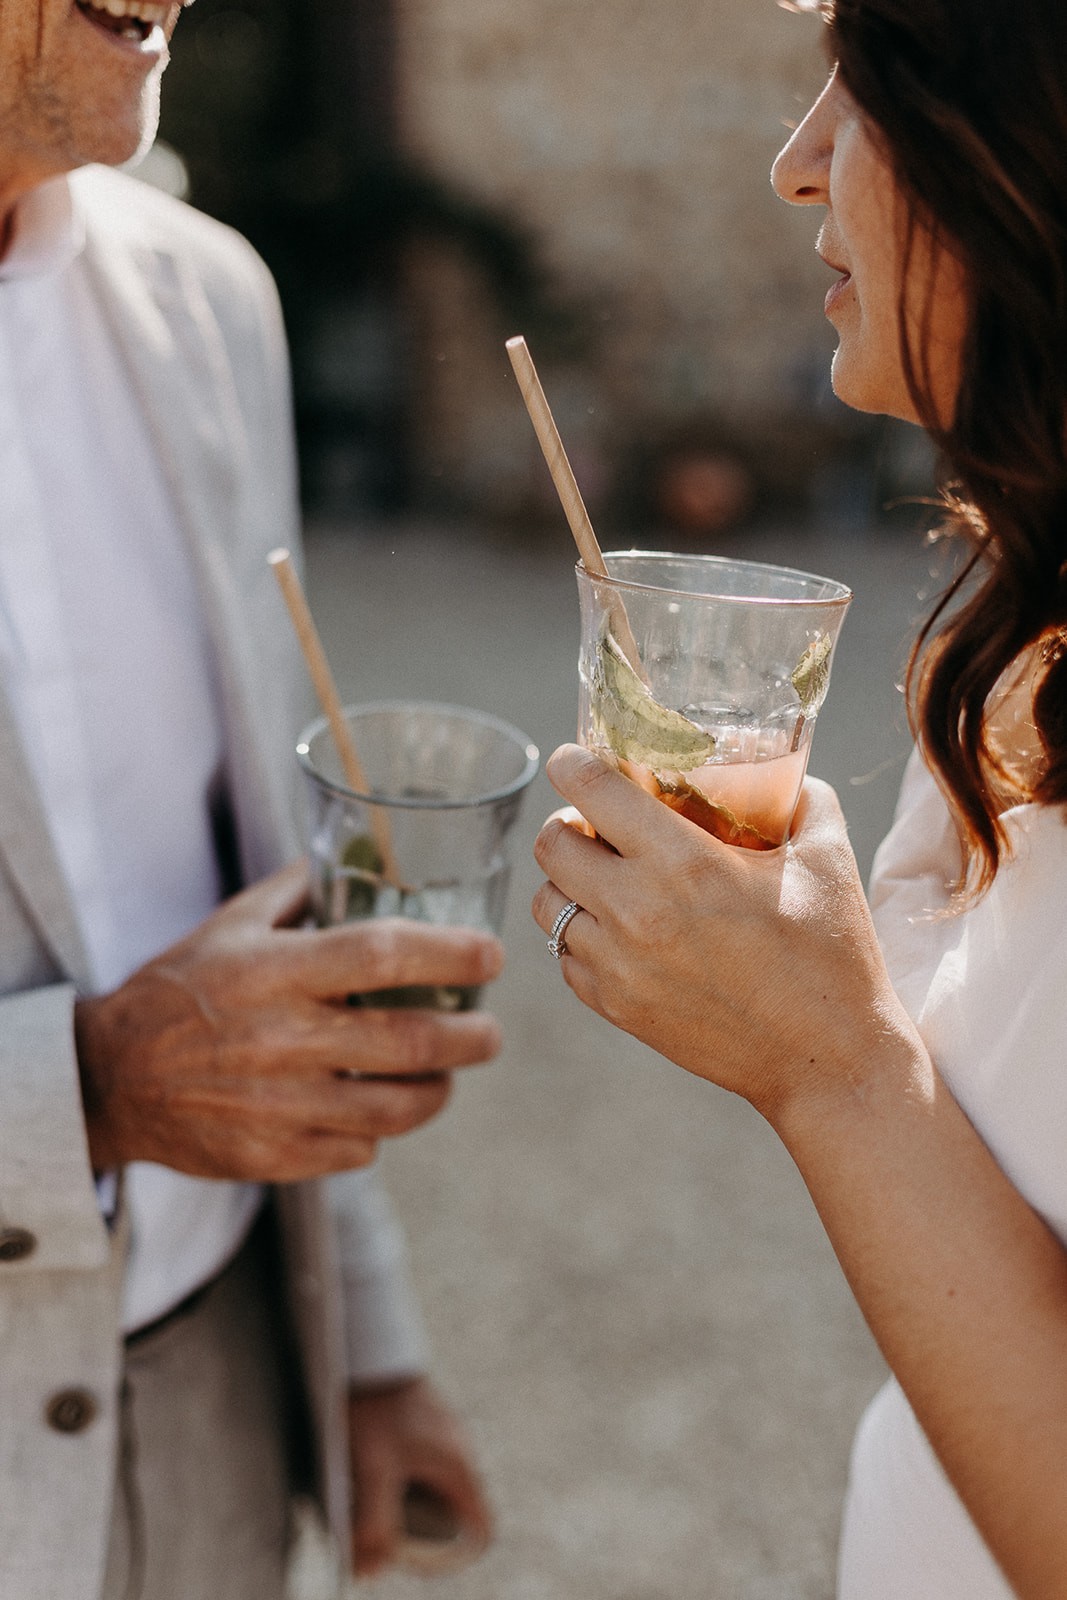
<point x="633" y="140"/>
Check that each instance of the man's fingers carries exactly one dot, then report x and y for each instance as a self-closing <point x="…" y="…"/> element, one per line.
<point x="312" y="1039"/>
<point x="376" y="1513"/>
<point x="407" y="1040"/>
<point x="381" y="1108"/>
<point x="390" y="953"/>
<point x="280" y="901"/>
<point x="295" y="1131"/>
<point x="454" y="1482"/>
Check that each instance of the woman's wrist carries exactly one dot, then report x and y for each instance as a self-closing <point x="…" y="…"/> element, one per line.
<point x="884" y="1072"/>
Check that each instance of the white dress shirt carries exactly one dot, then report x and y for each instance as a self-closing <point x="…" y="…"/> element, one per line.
<point x="104" y="658"/>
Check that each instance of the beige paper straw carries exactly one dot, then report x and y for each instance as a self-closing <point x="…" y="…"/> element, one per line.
<point x="322" y="678"/>
<point x="567" y="488"/>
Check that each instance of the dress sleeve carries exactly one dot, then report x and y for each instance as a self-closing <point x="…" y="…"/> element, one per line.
<point x="914" y="872"/>
<point x="993" y="1016"/>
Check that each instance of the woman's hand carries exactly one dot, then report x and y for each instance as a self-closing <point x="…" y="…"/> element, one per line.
<point x="757" y="970"/>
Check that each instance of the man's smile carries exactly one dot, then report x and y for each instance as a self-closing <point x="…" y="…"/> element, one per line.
<point x="133" y="20"/>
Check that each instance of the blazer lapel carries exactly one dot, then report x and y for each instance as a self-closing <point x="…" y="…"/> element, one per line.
<point x="31" y="857"/>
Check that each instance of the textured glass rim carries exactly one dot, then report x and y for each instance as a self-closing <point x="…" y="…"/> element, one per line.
<point x="841" y="595"/>
<point x="414" y="802"/>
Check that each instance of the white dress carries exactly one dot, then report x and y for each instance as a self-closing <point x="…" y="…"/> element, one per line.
<point x="987" y="989"/>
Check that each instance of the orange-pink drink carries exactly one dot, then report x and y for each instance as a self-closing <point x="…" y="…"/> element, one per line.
<point x="701" y="678"/>
<point x="749" y="803"/>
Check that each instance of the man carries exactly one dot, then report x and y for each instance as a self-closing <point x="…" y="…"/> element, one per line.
<point x="168" y="1053"/>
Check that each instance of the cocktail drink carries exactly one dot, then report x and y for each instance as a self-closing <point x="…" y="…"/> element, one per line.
<point x="430" y="838"/>
<point x="701" y="679"/>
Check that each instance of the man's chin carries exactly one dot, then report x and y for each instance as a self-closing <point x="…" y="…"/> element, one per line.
<point x="126" y="142"/>
<point x="149" y="127"/>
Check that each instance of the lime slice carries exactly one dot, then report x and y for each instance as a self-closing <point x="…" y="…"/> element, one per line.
<point x="361" y="854"/>
<point x="811" y="674"/>
<point x="634" y="724"/>
<point x="363" y="860"/>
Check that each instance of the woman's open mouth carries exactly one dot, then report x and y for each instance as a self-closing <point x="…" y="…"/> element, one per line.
<point x="133" y="20"/>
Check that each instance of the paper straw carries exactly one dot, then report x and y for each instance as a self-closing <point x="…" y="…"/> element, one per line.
<point x="567" y="488"/>
<point x="322" y="678"/>
<point x="552" y="448"/>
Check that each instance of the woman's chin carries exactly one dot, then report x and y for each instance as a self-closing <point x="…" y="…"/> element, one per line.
<point x="857" y="387"/>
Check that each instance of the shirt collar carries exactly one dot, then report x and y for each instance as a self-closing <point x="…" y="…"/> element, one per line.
<point x="49" y="232"/>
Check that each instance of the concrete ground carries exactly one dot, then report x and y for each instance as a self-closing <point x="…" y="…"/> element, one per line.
<point x="628" y="1291"/>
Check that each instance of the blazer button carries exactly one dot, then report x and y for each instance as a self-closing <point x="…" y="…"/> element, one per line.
<point x="70" y="1410"/>
<point x="16" y="1244"/>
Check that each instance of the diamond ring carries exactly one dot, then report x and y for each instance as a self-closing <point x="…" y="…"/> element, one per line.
<point x="557" y="943"/>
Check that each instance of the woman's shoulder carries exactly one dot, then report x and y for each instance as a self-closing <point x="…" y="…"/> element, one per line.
<point x="916" y="872"/>
<point x="922" y="848"/>
<point x="1033" y="874"/>
<point x="921" y="852"/>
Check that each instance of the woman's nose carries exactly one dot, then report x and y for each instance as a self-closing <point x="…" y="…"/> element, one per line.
<point x="801" y="171"/>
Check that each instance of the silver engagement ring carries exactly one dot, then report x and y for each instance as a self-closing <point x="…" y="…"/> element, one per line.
<point x="557" y="943"/>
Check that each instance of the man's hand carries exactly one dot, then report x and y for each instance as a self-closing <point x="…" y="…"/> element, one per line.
<point x="403" y="1434"/>
<point x="235" y="1054"/>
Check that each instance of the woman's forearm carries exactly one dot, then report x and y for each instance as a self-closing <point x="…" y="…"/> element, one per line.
<point x="965" y="1289"/>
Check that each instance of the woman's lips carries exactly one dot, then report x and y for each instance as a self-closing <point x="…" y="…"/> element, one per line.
<point x="835" y="291"/>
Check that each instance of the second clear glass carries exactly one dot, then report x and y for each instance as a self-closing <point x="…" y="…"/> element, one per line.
<point x="445" y="786"/>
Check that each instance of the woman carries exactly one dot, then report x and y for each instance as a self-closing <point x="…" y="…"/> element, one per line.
<point x="919" y="1082"/>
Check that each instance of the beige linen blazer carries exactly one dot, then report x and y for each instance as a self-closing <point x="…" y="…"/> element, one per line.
<point x="195" y="316"/>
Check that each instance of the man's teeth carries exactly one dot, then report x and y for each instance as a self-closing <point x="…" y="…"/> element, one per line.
<point x="136" y="10"/>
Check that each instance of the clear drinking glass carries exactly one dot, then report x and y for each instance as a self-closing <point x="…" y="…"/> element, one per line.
<point x="445" y="785"/>
<point x="716" y="714"/>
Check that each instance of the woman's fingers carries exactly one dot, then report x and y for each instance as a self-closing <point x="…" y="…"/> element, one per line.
<point x="547" y="905"/>
<point x="612" y="804"/>
<point x="573" y="819"/>
<point x="819" y="824"/>
<point x="583" y="869"/>
<point x="644" y="847"/>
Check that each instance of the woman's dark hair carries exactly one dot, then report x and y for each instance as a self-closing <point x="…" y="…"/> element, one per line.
<point x="969" y="100"/>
